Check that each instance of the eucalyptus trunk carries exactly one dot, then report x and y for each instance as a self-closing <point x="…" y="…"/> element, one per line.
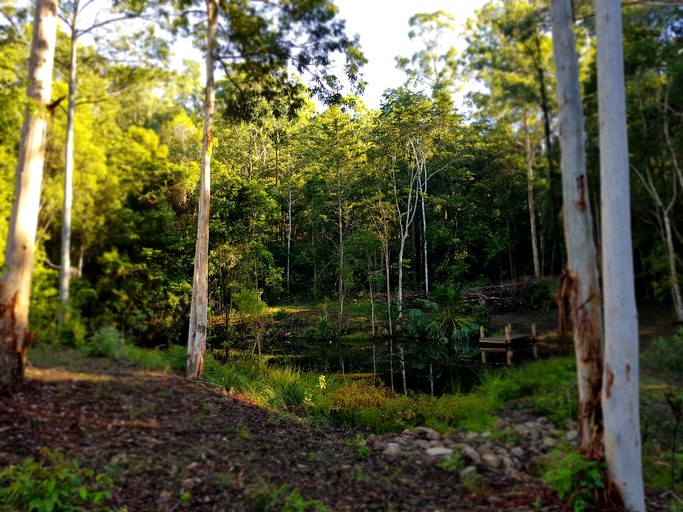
<point x="20" y="248"/>
<point x="620" y="394"/>
<point x="196" y="343"/>
<point x="580" y="285"/>
<point x="65" y="259"/>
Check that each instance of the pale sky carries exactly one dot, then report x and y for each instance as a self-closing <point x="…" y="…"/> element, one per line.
<point x="383" y="29"/>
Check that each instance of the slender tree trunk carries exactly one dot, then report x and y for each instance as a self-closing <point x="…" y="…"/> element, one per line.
<point x="289" y="230"/>
<point x="431" y="378"/>
<point x="340" y="223"/>
<point x="403" y="369"/>
<point x="424" y="231"/>
<point x="401" y="249"/>
<point x="387" y="268"/>
<point x="530" y="196"/>
<point x="620" y="392"/>
<point x="675" y="287"/>
<point x="580" y="286"/>
<point x="65" y="261"/>
<point x="81" y="258"/>
<point x="372" y="302"/>
<point x="196" y="344"/>
<point x="19" y="252"/>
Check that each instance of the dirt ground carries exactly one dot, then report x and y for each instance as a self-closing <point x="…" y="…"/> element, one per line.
<point x="171" y="444"/>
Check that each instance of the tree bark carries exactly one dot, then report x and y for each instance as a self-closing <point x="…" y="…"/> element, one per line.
<point x="65" y="260"/>
<point x="19" y="252"/>
<point x="580" y="286"/>
<point x="620" y="389"/>
<point x="196" y="344"/>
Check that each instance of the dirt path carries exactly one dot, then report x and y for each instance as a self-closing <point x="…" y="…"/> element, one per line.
<point x="177" y="445"/>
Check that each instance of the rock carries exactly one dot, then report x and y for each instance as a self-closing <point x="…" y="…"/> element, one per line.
<point x="507" y="462"/>
<point x="392" y="449"/>
<point x="379" y="446"/>
<point x="424" y="430"/>
<point x="468" y="472"/>
<point x="517" y="452"/>
<point x="572" y="436"/>
<point x="500" y="424"/>
<point x="491" y="460"/>
<point x="422" y="444"/>
<point x="471" y="454"/>
<point x="542" y="420"/>
<point x="407" y="432"/>
<point x="433" y="435"/>
<point x="439" y="451"/>
<point x="448" y="443"/>
<point x="485" y="448"/>
<point x="549" y="442"/>
<point x="435" y="444"/>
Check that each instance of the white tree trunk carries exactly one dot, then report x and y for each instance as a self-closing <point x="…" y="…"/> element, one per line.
<point x="19" y="252"/>
<point x="581" y="284"/>
<point x="65" y="260"/>
<point x="387" y="269"/>
<point x="289" y="229"/>
<point x="196" y="344"/>
<point x="671" y="252"/>
<point x="424" y="230"/>
<point x="530" y="196"/>
<point x="620" y="381"/>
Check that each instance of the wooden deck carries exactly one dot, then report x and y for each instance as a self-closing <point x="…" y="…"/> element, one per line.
<point x="507" y="343"/>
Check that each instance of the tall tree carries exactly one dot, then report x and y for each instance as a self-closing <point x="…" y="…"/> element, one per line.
<point x="199" y="307"/>
<point x="258" y="42"/>
<point x="510" y="51"/>
<point x="72" y="12"/>
<point x="19" y="253"/>
<point x="620" y="393"/>
<point x="435" y="68"/>
<point x="580" y="283"/>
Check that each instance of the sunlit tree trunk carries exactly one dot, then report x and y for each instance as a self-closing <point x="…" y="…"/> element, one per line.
<point x="289" y="229"/>
<point x="196" y="344"/>
<point x="65" y="260"/>
<point x="580" y="285"/>
<point x="19" y="252"/>
<point x="620" y="377"/>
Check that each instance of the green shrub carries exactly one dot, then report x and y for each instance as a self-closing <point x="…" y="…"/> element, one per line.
<point x="576" y="479"/>
<point x="106" y="342"/>
<point x="665" y="355"/>
<point x="58" y="484"/>
<point x="282" y="499"/>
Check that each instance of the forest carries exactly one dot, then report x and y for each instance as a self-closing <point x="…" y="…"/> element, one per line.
<point x="352" y="253"/>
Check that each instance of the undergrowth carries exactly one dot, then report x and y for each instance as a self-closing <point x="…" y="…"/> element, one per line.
<point x="54" y="483"/>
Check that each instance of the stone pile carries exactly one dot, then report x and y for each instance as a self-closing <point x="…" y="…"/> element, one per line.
<point x="515" y="448"/>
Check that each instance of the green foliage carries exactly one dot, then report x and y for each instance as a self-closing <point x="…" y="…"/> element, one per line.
<point x="452" y="464"/>
<point x="283" y="499"/>
<point x="58" y="484"/>
<point x="106" y="342"/>
<point x="359" y="446"/>
<point x="665" y="355"/>
<point x="576" y="479"/>
<point x="544" y="293"/>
